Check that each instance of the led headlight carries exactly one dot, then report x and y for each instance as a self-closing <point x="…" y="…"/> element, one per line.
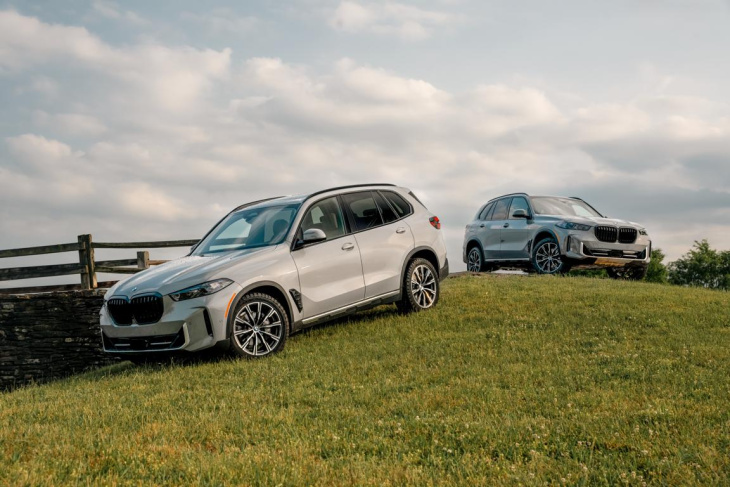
<point x="203" y="289"/>
<point x="642" y="231"/>
<point x="573" y="226"/>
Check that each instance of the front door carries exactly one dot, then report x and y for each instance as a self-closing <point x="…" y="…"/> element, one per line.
<point x="330" y="272"/>
<point x="516" y="232"/>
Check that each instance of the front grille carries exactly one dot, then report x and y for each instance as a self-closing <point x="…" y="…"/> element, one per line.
<point x="120" y="310"/>
<point x="606" y="234"/>
<point x="623" y="254"/>
<point x="147" y="309"/>
<point x="151" y="343"/>
<point x="627" y="235"/>
<point x="144" y="309"/>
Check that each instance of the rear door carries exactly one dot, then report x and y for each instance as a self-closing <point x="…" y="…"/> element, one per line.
<point x="330" y="272"/>
<point x="384" y="239"/>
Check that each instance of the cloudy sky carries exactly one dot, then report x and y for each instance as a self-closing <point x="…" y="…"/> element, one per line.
<point x="143" y="120"/>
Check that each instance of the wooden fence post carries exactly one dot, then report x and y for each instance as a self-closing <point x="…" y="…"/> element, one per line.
<point x="143" y="260"/>
<point x="86" y="259"/>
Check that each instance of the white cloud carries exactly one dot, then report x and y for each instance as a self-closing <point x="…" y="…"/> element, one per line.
<point x="74" y="124"/>
<point x="407" y="22"/>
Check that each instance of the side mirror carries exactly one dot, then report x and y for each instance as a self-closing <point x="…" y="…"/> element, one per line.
<point x="313" y="235"/>
<point x="520" y="214"/>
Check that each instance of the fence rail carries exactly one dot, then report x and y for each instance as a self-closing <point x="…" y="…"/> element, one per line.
<point x="87" y="266"/>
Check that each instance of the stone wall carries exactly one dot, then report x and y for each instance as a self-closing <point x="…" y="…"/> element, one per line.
<point x="50" y="335"/>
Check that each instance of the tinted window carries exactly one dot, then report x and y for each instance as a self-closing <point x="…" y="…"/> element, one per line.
<point x="385" y="210"/>
<point x="401" y="206"/>
<point x="364" y="211"/>
<point x="485" y="211"/>
<point x="518" y="203"/>
<point x="327" y="216"/>
<point x="500" y="209"/>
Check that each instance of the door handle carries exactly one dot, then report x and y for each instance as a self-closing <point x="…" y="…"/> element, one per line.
<point x="505" y="225"/>
<point x="482" y="225"/>
<point x="400" y="230"/>
<point x="348" y="246"/>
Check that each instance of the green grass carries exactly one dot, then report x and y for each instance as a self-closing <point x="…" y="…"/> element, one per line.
<point x="510" y="380"/>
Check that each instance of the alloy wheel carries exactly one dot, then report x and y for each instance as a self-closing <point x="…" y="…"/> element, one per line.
<point x="423" y="286"/>
<point x="258" y="328"/>
<point x="547" y="258"/>
<point x="474" y="260"/>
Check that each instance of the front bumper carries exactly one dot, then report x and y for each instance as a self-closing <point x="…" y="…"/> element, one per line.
<point x="584" y="248"/>
<point x="190" y="325"/>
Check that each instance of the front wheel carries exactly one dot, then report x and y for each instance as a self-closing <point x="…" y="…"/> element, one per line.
<point x="634" y="273"/>
<point x="546" y="258"/>
<point x="421" y="287"/>
<point x="260" y="326"/>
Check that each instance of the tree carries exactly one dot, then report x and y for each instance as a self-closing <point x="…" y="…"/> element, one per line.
<point x="702" y="266"/>
<point x="657" y="271"/>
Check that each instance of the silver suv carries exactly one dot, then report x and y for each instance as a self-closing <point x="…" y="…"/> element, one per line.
<point x="272" y="267"/>
<point x="552" y="234"/>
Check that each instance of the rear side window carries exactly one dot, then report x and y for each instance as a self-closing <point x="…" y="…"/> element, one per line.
<point x="400" y="205"/>
<point x="364" y="210"/>
<point x="385" y="210"/>
<point x="500" y="209"/>
<point x="485" y="212"/>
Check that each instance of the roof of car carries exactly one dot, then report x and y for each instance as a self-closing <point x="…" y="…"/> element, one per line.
<point x="301" y="198"/>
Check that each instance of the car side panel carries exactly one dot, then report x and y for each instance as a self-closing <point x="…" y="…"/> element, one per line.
<point x="383" y="250"/>
<point x="330" y="275"/>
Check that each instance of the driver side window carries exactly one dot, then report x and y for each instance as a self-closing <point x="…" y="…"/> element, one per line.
<point x="325" y="215"/>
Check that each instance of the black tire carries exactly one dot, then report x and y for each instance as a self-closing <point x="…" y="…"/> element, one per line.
<point x="421" y="287"/>
<point x="474" y="259"/>
<point x="628" y="273"/>
<point x="260" y="326"/>
<point x="546" y="258"/>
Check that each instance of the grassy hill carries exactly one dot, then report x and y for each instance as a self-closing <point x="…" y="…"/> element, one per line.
<point x="509" y="380"/>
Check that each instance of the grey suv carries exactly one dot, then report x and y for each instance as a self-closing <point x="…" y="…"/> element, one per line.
<point x="552" y="234"/>
<point x="272" y="267"/>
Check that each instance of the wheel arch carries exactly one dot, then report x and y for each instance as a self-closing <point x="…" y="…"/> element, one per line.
<point x="423" y="252"/>
<point x="541" y="234"/>
<point x="265" y="287"/>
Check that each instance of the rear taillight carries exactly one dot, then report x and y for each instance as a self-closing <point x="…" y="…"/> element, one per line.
<point x="435" y="222"/>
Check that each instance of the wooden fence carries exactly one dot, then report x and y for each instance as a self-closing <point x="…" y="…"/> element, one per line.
<point x="87" y="266"/>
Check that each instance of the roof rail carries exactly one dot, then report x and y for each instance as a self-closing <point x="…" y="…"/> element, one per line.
<point x="508" y="194"/>
<point x="346" y="187"/>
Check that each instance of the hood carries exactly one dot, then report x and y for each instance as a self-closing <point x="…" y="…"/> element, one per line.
<point x="593" y="220"/>
<point x="181" y="273"/>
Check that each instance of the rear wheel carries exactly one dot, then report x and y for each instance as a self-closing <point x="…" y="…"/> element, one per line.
<point x="546" y="258"/>
<point x="633" y="273"/>
<point x="260" y="326"/>
<point x="474" y="261"/>
<point x="421" y="288"/>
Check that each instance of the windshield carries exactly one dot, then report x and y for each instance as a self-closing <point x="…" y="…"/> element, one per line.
<point x="549" y="205"/>
<point x="248" y="228"/>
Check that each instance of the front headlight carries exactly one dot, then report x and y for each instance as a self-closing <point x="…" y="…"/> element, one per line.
<point x="573" y="226"/>
<point x="203" y="289"/>
<point x="642" y="231"/>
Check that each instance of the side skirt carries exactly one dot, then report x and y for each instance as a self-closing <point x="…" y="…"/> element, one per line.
<point x="368" y="303"/>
